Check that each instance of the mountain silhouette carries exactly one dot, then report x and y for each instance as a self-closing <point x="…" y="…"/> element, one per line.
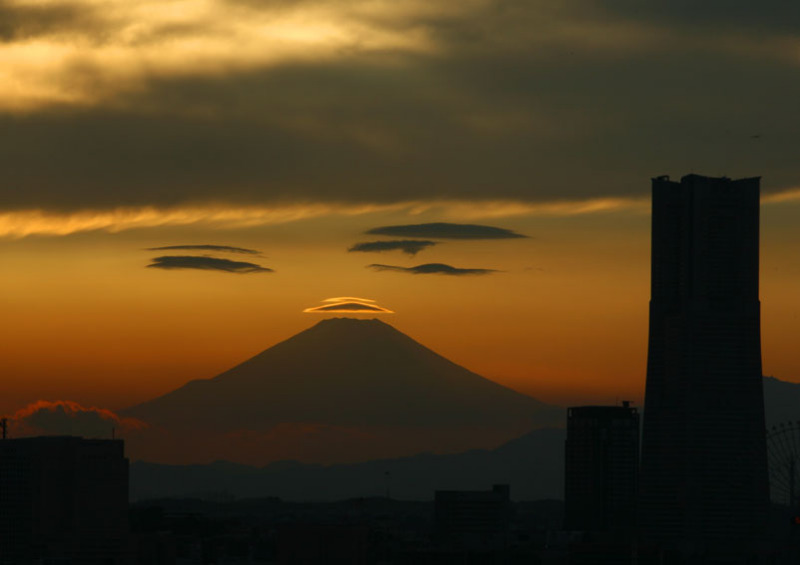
<point x="781" y="401"/>
<point x="532" y="464"/>
<point x="346" y="372"/>
<point x="342" y="391"/>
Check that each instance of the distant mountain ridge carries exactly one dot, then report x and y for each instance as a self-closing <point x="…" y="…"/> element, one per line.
<point x="781" y="401"/>
<point x="532" y="464"/>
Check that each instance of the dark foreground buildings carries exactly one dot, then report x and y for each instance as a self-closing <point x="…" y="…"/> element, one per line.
<point x="601" y="469"/>
<point x="480" y="517"/>
<point x="704" y="485"/>
<point x="63" y="500"/>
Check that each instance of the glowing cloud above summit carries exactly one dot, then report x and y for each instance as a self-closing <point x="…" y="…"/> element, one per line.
<point x="348" y="305"/>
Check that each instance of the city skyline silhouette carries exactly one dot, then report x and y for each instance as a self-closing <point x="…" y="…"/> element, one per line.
<point x="702" y="494"/>
<point x="186" y="187"/>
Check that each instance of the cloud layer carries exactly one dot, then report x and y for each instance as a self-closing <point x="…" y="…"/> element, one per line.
<point x="433" y="269"/>
<point x="444" y="230"/>
<point x="220" y="101"/>
<point x="169" y="262"/>
<point x="64" y="417"/>
<point x="408" y="246"/>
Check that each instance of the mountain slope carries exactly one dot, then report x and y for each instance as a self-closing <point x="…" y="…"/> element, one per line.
<point x="781" y="401"/>
<point x="346" y="372"/>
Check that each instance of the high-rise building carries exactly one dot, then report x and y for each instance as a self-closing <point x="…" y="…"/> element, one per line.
<point x="601" y="468"/>
<point x="63" y="500"/>
<point x="703" y="481"/>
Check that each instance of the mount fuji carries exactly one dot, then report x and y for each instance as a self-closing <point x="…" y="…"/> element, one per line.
<point x="348" y="389"/>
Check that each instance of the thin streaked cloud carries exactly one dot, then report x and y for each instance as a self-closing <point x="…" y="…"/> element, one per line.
<point x="433" y="269"/>
<point x="17" y="224"/>
<point x="407" y="246"/>
<point x="190" y="262"/>
<point x="446" y="230"/>
<point x="38" y="222"/>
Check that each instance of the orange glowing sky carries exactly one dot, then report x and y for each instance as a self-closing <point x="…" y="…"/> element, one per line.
<point x="564" y="319"/>
<point x="292" y="128"/>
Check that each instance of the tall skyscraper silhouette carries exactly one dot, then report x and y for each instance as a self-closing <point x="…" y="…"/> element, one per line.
<point x="704" y="484"/>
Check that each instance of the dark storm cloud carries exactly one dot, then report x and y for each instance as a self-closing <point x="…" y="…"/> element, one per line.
<point x="23" y="22"/>
<point x="433" y="269"/>
<point x="19" y="22"/>
<point x="206" y="264"/>
<point x="769" y="15"/>
<point x="168" y="158"/>
<point x="271" y="5"/>
<point x="217" y="248"/>
<point x="409" y="246"/>
<point x="444" y="230"/>
<point x="484" y="115"/>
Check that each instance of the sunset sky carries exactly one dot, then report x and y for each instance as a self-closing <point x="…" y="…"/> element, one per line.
<point x="285" y="130"/>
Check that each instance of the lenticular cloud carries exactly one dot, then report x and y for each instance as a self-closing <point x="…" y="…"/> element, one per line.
<point x="348" y="305"/>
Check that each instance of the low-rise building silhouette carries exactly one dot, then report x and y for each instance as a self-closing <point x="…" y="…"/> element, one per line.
<point x="479" y="518"/>
<point x="63" y="500"/>
<point x="601" y="468"/>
